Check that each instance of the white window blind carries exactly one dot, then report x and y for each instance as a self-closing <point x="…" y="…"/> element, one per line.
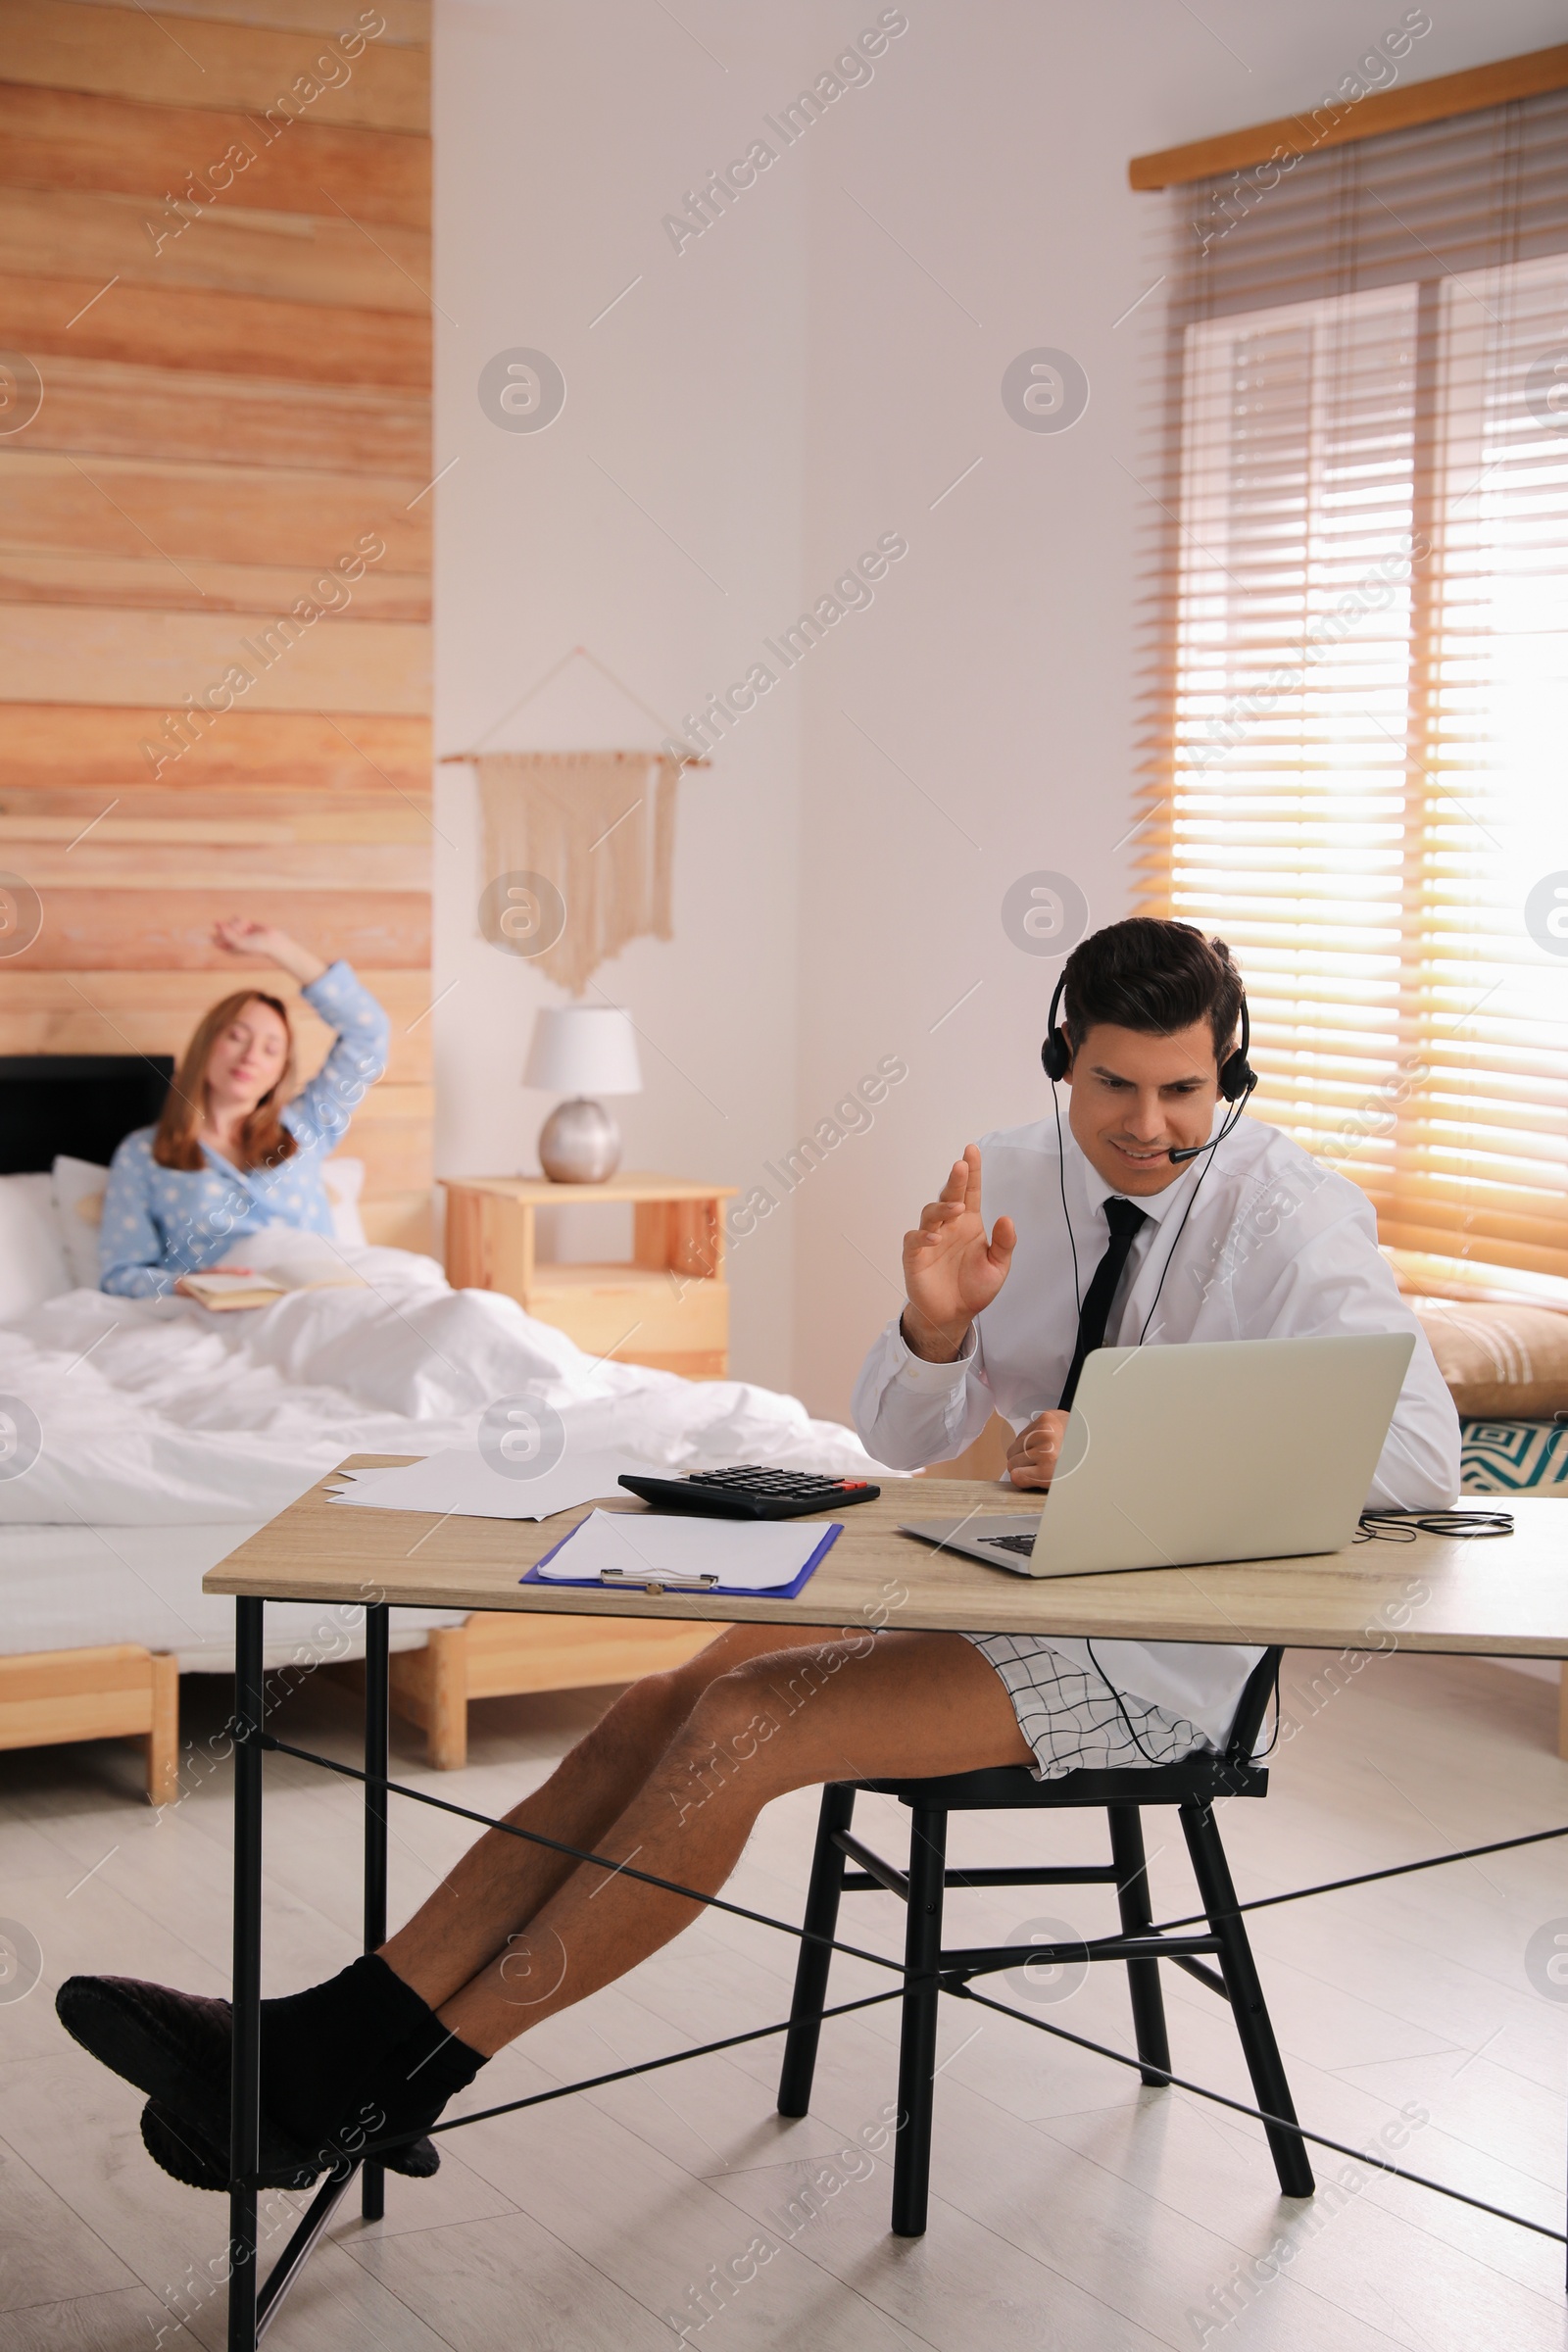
<point x="1356" y="766"/>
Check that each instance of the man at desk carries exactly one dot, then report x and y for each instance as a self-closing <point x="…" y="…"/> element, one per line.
<point x="1154" y="1218"/>
<point x="1158" y="1216"/>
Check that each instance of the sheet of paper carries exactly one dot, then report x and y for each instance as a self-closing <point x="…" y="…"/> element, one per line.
<point x="461" y="1482"/>
<point x="747" y="1555"/>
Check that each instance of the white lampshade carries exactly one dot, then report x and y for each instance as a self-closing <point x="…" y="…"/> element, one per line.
<point x="583" y="1050"/>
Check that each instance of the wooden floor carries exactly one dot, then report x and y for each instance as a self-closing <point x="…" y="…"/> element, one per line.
<point x="1071" y="2209"/>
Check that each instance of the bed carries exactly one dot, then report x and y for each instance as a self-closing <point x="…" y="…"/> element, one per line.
<point x="161" y="1436"/>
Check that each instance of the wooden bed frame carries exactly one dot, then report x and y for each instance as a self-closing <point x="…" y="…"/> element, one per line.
<point x="120" y="1690"/>
<point x="115" y="1691"/>
<point x="497" y="1656"/>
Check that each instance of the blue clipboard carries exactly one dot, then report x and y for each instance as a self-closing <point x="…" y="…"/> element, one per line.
<point x="598" y="1584"/>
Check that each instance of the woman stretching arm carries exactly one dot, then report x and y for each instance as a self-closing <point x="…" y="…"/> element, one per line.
<point x="236" y="1148"/>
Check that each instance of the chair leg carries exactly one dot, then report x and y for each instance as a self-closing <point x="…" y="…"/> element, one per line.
<point x="918" y="2047"/>
<point x="814" y="1960"/>
<point x="1217" y="1894"/>
<point x="1137" y="1918"/>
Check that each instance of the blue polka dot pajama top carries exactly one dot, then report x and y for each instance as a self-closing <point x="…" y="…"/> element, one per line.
<point x="160" y="1223"/>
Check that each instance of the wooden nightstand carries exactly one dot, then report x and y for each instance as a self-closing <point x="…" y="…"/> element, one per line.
<point x="667" y="1308"/>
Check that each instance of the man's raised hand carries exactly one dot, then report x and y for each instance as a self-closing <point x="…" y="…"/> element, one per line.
<point x="951" y="1270"/>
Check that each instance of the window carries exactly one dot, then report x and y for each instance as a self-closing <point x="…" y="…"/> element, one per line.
<point x="1357" y="759"/>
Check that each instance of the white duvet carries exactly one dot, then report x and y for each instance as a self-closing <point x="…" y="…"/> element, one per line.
<point x="156" y="1412"/>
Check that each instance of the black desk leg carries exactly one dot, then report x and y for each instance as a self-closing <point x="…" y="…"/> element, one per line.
<point x="244" y="2135"/>
<point x="372" y="2185"/>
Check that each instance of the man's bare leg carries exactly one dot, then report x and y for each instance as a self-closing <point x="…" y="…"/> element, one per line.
<point x="376" y="2050"/>
<point x="502" y="1882"/>
<point x="900" y="1703"/>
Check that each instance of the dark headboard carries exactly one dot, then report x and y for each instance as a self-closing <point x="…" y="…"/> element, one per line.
<point x="79" y="1104"/>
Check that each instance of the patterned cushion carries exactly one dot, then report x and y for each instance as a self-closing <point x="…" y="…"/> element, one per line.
<point x="1511" y="1457"/>
<point x="1508" y="1361"/>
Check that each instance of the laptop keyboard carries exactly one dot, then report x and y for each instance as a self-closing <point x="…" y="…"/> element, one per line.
<point x="1023" y="1545"/>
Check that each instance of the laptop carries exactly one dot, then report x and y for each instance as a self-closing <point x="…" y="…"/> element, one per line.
<point x="1239" y="1450"/>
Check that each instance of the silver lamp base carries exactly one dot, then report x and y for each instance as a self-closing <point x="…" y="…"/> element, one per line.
<point x="579" y="1143"/>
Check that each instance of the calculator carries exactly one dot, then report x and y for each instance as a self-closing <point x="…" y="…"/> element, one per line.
<point x="750" y="1493"/>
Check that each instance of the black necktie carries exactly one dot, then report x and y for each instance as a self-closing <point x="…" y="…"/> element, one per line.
<point x="1125" y="1222"/>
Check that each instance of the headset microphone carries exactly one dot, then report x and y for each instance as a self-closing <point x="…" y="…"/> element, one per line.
<point x="1196" y="1151"/>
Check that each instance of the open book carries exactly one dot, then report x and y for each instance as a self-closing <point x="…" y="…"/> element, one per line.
<point x="223" y="1288"/>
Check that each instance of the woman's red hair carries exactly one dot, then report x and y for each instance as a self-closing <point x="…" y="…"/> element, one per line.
<point x="263" y="1141"/>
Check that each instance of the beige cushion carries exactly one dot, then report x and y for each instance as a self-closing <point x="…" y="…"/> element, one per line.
<point x="1500" y="1362"/>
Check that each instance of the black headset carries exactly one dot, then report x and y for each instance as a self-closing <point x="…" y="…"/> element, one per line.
<point x="1237" y="1076"/>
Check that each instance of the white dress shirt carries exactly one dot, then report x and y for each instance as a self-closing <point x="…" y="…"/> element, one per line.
<point x="1255" y="1241"/>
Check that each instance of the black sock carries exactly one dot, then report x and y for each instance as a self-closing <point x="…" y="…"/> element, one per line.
<point x="407" y="2091"/>
<point x="320" y="2047"/>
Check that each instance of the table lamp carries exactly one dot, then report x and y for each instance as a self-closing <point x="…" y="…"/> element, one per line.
<point x="581" y="1051"/>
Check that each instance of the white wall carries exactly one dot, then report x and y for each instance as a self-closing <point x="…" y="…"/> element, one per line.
<point x="797" y="381"/>
<point x="563" y="135"/>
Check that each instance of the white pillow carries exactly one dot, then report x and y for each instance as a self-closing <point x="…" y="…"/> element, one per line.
<point x="344" y="1180"/>
<point x="78" y="1201"/>
<point x="78" y="1196"/>
<point x="32" y="1264"/>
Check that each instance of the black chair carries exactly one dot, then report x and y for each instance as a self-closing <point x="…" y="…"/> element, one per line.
<point x="1193" y="1785"/>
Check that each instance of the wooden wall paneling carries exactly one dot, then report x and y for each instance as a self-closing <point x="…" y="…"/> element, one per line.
<point x="95" y="751"/>
<point x="399" y="1221"/>
<point x="127" y="931"/>
<point x="152" y="814"/>
<point x="321" y="258"/>
<point x="68" y="139"/>
<point x="124" y="53"/>
<point x="236" y="386"/>
<point x="101" y="408"/>
<point x="228" y="868"/>
<point x="236" y="334"/>
<point x="407" y="22"/>
<point x="93" y="653"/>
<point x="154" y="1012"/>
<point x="391" y="1134"/>
<point x="236" y="514"/>
<point x="28" y="578"/>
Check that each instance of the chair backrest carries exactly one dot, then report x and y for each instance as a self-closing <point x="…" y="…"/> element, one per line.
<point x="1252" y="1706"/>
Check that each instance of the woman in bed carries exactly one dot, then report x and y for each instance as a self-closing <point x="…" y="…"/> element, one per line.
<point x="236" y="1148"/>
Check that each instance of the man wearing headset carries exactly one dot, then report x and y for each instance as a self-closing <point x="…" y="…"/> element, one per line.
<point x="1158" y="1216"/>
<point x="666" y="1785"/>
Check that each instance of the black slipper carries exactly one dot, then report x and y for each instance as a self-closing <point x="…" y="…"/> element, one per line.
<point x="179" y="2148"/>
<point x="172" y="2045"/>
<point x="176" y="2046"/>
<point x="190" y="2156"/>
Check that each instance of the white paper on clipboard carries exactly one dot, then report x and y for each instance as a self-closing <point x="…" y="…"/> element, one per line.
<point x="641" y="1547"/>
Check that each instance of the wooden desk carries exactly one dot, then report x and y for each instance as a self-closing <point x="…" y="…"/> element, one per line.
<point x="1503" y="1598"/>
<point x="1509" y="1596"/>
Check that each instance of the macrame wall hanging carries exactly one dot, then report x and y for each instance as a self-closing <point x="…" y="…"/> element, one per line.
<point x="594" y="832"/>
<point x="601" y="826"/>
